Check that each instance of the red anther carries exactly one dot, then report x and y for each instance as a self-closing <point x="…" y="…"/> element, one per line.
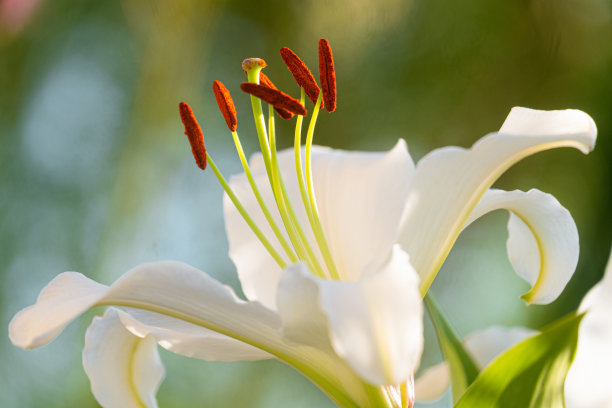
<point x="327" y="75"/>
<point x="274" y="97"/>
<point x="301" y="73"/>
<point x="226" y="105"/>
<point x="265" y="81"/>
<point x="194" y="134"/>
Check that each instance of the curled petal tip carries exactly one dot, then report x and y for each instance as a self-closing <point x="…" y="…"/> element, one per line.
<point x="573" y="123"/>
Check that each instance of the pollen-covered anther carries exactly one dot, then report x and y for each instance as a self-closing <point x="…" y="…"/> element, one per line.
<point x="274" y="97"/>
<point x="194" y="134"/>
<point x="265" y="81"/>
<point x="226" y="105"/>
<point x="301" y="73"/>
<point x="327" y="75"/>
<point x="250" y="63"/>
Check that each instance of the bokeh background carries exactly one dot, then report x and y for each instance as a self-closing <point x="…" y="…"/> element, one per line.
<point x="96" y="175"/>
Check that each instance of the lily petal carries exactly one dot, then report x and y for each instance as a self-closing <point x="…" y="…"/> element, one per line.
<point x="449" y="182"/>
<point x="299" y="306"/>
<point x="67" y="296"/>
<point x="433" y="382"/>
<point x="170" y="288"/>
<point x="588" y="381"/>
<point x="182" y="292"/>
<point x="124" y="370"/>
<point x="188" y="339"/>
<point x="349" y="186"/>
<point x="484" y="346"/>
<point x="543" y="242"/>
<point x="361" y="198"/>
<point x="375" y="324"/>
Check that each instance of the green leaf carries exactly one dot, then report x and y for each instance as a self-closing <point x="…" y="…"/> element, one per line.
<point x="463" y="370"/>
<point x="531" y="374"/>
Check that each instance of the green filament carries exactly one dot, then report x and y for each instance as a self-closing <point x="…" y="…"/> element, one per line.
<point x="281" y="263"/>
<point x="260" y="201"/>
<point x="312" y="200"/>
<point x="309" y="257"/>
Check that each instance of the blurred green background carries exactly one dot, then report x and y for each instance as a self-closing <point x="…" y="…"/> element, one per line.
<point x="96" y="174"/>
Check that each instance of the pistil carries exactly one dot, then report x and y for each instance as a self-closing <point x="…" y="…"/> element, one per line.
<point x="292" y="225"/>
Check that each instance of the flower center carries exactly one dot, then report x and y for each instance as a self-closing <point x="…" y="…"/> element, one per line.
<point x="295" y="244"/>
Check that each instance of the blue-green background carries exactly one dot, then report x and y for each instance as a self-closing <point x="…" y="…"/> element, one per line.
<point x="96" y="175"/>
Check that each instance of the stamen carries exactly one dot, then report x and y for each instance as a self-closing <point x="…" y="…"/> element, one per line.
<point x="274" y="97"/>
<point x="245" y="215"/>
<point x="316" y="224"/>
<point x="196" y="139"/>
<point x="327" y="75"/>
<point x="265" y="81"/>
<point x="226" y="105"/>
<point x="301" y="73"/>
<point x="301" y="243"/>
<point x="194" y="134"/>
<point x="281" y="197"/>
<point x="259" y="198"/>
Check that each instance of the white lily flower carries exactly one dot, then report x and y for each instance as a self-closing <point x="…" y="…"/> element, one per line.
<point x="338" y="301"/>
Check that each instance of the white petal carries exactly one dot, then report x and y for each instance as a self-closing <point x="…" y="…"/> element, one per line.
<point x="557" y="123"/>
<point x="484" y="346"/>
<point x="449" y="182"/>
<point x="543" y="242"/>
<point x="62" y="300"/>
<point x="258" y="272"/>
<point x="360" y="198"/>
<point x="182" y="292"/>
<point x="124" y="370"/>
<point x="188" y="339"/>
<point x="298" y="302"/>
<point x="375" y="324"/>
<point x="433" y="382"/>
<point x="171" y="288"/>
<point x="588" y="381"/>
